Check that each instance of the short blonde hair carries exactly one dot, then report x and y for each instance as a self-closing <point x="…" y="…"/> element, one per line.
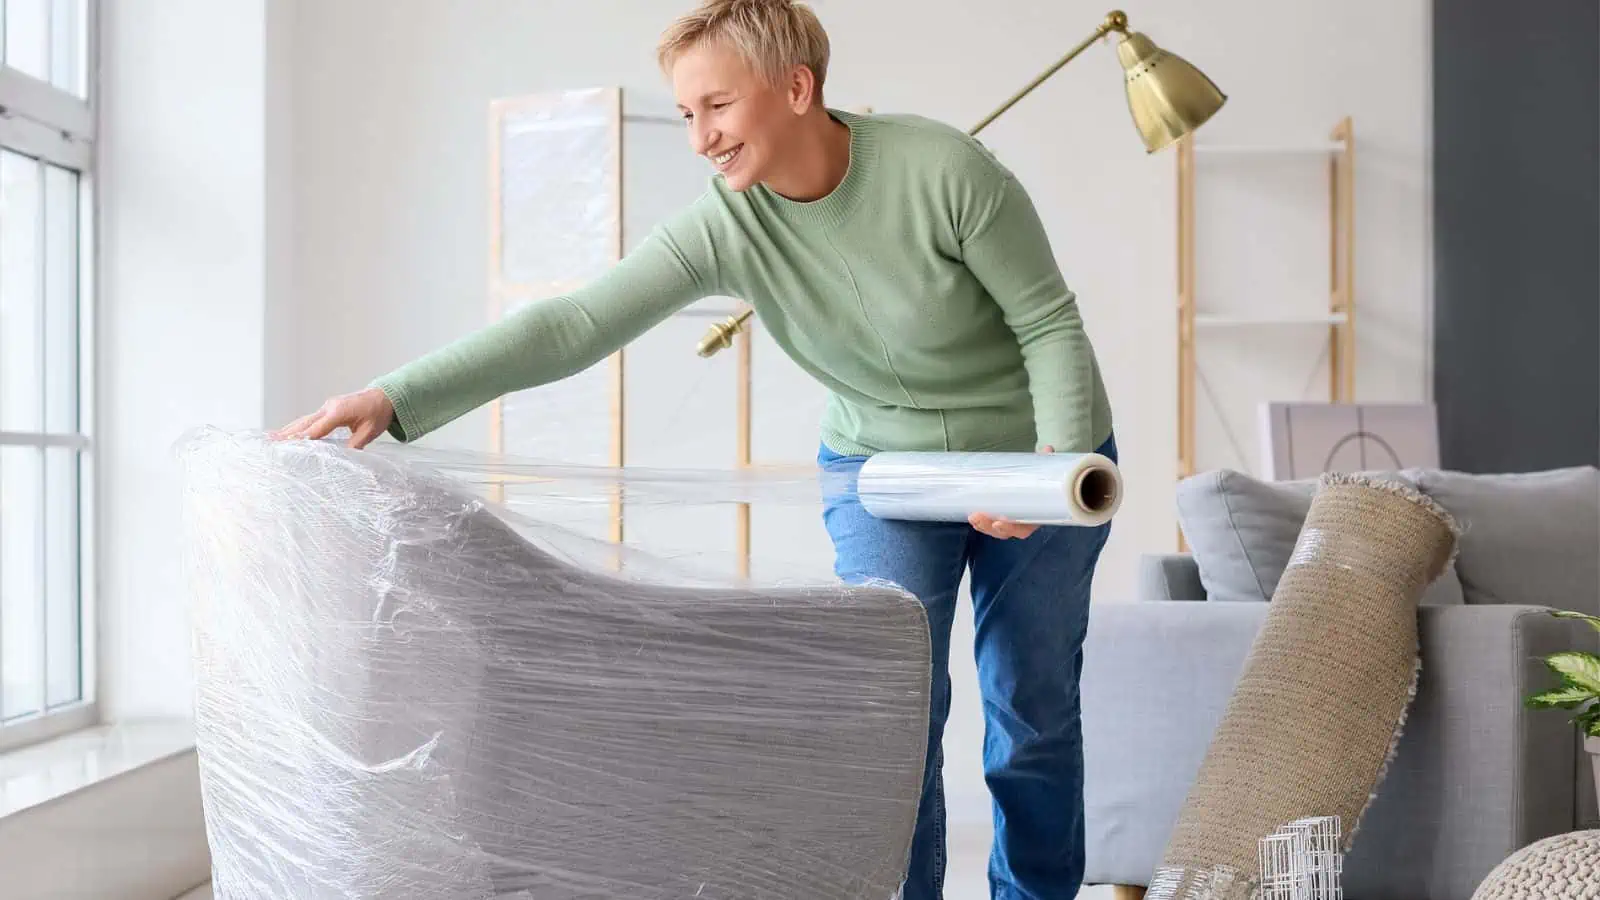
<point x="773" y="36"/>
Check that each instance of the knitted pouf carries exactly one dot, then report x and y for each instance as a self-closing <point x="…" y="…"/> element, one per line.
<point x="1319" y="706"/>
<point x="1562" y="867"/>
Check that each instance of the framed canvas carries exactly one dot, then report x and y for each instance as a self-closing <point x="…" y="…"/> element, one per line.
<point x="1306" y="439"/>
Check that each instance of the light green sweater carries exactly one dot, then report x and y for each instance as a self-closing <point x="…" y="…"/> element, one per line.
<point x="922" y="293"/>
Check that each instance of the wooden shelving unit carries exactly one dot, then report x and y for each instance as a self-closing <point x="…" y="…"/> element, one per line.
<point x="1340" y="319"/>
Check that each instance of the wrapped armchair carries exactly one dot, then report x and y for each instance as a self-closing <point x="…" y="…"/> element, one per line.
<point x="405" y="693"/>
<point x="1476" y="775"/>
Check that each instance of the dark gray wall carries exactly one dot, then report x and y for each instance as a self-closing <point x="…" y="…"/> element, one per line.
<point x="1516" y="135"/>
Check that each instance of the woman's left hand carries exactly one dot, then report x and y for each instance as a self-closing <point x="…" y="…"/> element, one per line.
<point x="1001" y="528"/>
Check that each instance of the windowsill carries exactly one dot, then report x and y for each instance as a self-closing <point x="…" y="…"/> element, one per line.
<point x="34" y="775"/>
<point x="105" y="811"/>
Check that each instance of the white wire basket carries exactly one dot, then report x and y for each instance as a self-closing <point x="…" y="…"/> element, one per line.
<point x="1299" y="861"/>
<point x="1302" y="861"/>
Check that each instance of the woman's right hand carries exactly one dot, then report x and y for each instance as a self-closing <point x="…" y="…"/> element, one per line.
<point x="366" y="413"/>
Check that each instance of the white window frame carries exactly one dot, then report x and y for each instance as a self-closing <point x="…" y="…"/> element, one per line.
<point x="40" y="120"/>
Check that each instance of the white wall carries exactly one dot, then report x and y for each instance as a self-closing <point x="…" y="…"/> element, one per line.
<point x="182" y="305"/>
<point x="390" y="210"/>
<point x="278" y="206"/>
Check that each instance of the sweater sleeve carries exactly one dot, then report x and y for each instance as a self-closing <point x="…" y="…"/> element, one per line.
<point x="546" y="340"/>
<point x="1004" y="244"/>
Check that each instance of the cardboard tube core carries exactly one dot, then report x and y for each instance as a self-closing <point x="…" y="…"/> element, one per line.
<point x="1096" y="489"/>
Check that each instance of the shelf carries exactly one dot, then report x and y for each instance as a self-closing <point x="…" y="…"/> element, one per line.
<point x="1307" y="149"/>
<point x="1326" y="314"/>
<point x="1226" y="321"/>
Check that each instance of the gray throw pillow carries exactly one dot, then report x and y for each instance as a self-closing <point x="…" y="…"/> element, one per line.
<point x="1242" y="530"/>
<point x="1529" y="537"/>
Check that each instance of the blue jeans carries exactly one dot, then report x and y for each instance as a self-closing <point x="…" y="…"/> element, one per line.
<point x="1030" y="609"/>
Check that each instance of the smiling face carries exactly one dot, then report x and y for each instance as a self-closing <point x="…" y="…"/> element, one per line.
<point x="738" y="120"/>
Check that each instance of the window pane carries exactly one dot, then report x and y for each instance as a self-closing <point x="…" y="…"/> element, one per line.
<point x="21" y="581"/>
<point x="28" y="37"/>
<point x="67" y="39"/>
<point x="21" y="316"/>
<point x="62" y="607"/>
<point x="61" y="300"/>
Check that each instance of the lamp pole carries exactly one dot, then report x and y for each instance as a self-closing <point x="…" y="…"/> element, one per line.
<point x="1116" y="20"/>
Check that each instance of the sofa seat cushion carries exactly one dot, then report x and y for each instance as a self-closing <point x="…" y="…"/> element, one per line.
<point x="1242" y="531"/>
<point x="1526" y="537"/>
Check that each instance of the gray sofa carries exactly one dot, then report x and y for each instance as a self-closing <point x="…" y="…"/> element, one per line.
<point x="1476" y="774"/>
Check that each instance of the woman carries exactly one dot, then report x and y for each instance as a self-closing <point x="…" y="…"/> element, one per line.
<point x="897" y="262"/>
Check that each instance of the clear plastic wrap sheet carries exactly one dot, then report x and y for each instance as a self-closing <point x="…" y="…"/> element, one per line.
<point x="557" y="178"/>
<point x="416" y="679"/>
<point x="556" y="175"/>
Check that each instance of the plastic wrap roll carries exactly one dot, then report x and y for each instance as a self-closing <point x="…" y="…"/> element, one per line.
<point x="1032" y="488"/>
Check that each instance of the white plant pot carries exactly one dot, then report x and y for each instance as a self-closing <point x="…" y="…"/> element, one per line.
<point x="1592" y="744"/>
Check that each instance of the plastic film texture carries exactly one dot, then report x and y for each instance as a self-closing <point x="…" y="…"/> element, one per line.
<point x="557" y="171"/>
<point x="407" y="689"/>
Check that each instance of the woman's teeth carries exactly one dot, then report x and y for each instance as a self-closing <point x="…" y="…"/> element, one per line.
<point x="723" y="159"/>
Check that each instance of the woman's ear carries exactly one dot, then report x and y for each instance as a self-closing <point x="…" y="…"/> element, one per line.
<point x="802" y="90"/>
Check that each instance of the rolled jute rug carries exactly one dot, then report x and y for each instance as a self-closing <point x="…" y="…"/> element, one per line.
<point x="1318" y="710"/>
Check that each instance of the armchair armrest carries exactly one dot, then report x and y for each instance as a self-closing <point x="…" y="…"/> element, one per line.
<point x="1170" y="576"/>
<point x="1476" y="775"/>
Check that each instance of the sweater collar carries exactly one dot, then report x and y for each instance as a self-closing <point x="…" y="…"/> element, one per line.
<point x="833" y="208"/>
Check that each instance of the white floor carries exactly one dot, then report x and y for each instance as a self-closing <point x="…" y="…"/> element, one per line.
<point x="966" y="879"/>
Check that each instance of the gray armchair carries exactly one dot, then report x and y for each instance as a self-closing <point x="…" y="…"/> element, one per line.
<point x="406" y="693"/>
<point x="1476" y="774"/>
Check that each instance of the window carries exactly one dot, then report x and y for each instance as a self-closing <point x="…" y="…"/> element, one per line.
<point x="46" y="368"/>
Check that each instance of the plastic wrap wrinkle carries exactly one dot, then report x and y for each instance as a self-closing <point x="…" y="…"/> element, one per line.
<point x="406" y="689"/>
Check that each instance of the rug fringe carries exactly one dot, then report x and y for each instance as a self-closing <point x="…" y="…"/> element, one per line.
<point x="1389" y="755"/>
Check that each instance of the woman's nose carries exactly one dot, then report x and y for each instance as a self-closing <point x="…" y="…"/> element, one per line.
<point x="704" y="139"/>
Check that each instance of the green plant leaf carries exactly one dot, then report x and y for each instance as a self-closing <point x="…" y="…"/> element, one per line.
<point x="1589" y="722"/>
<point x="1580" y="669"/>
<point x="1569" y="697"/>
<point x="1594" y="622"/>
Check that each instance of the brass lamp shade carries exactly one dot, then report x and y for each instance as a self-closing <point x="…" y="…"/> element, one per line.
<point x="1168" y="97"/>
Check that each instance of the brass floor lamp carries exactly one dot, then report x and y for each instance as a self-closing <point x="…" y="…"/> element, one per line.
<point x="1167" y="97"/>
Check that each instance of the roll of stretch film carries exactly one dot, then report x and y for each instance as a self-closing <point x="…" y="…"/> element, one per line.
<point x="1083" y="489"/>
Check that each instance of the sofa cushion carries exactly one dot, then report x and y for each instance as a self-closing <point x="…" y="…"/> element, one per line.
<point x="1242" y="531"/>
<point x="1526" y="537"/>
